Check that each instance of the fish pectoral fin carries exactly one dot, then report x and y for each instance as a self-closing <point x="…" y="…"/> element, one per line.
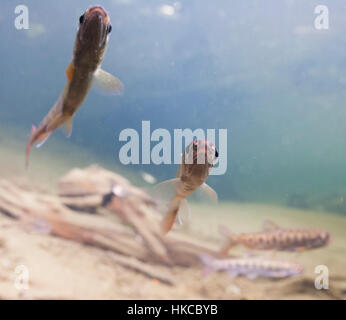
<point x="108" y="83"/>
<point x="184" y="212"/>
<point x="69" y="71"/>
<point x="67" y="127"/>
<point x="165" y="190"/>
<point x="207" y="193"/>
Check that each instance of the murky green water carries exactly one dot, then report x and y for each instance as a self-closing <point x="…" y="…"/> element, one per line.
<point x="259" y="69"/>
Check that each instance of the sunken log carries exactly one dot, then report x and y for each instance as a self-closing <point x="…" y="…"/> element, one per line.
<point x="127" y="227"/>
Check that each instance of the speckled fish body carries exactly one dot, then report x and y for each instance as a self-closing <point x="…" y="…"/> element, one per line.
<point x="253" y="267"/>
<point x="285" y="239"/>
<point x="276" y="238"/>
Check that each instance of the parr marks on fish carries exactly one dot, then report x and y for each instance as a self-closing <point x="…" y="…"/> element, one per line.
<point x="252" y="267"/>
<point x="277" y="238"/>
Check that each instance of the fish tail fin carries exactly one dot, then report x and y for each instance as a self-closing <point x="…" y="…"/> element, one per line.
<point x="56" y="119"/>
<point x="51" y="122"/>
<point x="207" y="261"/>
<point x="39" y="135"/>
<point x="59" y="120"/>
<point x="225" y="249"/>
<point x="42" y="139"/>
<point x="67" y="126"/>
<point x="168" y="220"/>
<point x="231" y="240"/>
<point x="29" y="145"/>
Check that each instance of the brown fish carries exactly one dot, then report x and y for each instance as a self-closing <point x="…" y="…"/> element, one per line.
<point x="275" y="238"/>
<point x="84" y="70"/>
<point x="197" y="160"/>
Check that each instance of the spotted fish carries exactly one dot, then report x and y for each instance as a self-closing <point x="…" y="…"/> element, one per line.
<point x="274" y="237"/>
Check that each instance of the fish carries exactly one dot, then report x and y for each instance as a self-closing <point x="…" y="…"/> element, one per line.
<point x="252" y="267"/>
<point x="83" y="72"/>
<point x="274" y="237"/>
<point x="197" y="160"/>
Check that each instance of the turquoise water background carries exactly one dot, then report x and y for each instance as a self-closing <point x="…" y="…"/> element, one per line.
<point x="257" y="68"/>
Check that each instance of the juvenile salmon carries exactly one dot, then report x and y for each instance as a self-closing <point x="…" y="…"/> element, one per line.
<point x="84" y="70"/>
<point x="252" y="267"/>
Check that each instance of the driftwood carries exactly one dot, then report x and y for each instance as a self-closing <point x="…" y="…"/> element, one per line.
<point x="129" y="231"/>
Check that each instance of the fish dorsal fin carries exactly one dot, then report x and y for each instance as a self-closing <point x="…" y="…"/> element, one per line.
<point x="107" y="83"/>
<point x="207" y="193"/>
<point x="269" y="225"/>
<point x="166" y="190"/>
<point x="69" y="71"/>
<point x="67" y="127"/>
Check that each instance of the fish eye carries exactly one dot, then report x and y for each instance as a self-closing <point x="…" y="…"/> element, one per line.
<point x="109" y="29"/>
<point x="216" y="154"/>
<point x="81" y="18"/>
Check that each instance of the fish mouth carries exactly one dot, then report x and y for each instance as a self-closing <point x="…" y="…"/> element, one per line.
<point x="94" y="27"/>
<point x="99" y="12"/>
